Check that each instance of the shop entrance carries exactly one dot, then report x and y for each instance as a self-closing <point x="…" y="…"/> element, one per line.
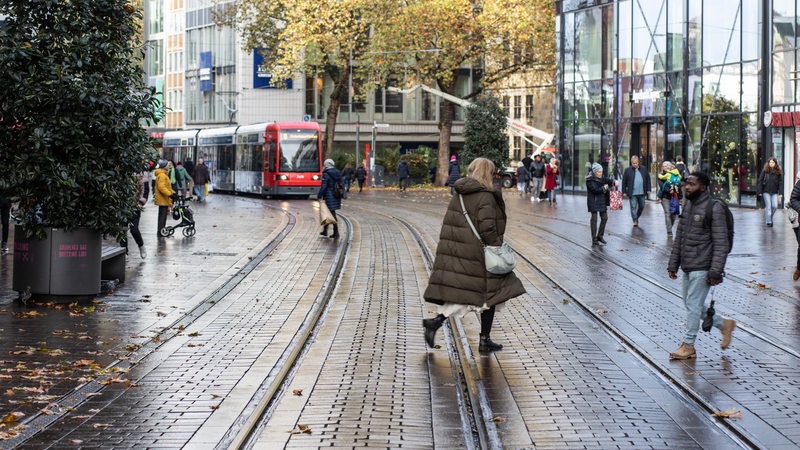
<point x="647" y="145"/>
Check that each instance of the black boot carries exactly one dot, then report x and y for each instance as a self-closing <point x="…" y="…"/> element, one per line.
<point x="324" y="231"/>
<point x="487" y="345"/>
<point x="431" y="325"/>
<point x="335" y="234"/>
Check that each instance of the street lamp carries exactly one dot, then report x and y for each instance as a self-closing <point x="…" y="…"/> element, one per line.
<point x="375" y="126"/>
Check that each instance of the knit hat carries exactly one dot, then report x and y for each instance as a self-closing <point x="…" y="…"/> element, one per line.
<point x="329" y="164"/>
<point x="162" y="163"/>
<point x="452" y="157"/>
<point x="597" y="167"/>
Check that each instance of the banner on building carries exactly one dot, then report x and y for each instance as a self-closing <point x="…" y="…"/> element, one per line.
<point x="262" y="79"/>
<point x="206" y="84"/>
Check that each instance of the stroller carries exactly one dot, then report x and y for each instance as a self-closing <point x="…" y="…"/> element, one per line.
<point x="182" y="212"/>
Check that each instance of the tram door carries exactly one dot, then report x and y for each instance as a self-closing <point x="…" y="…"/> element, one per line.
<point x="647" y="144"/>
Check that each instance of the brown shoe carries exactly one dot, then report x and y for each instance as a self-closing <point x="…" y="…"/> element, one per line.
<point x="796" y="274"/>
<point x="727" y="332"/>
<point x="684" y="351"/>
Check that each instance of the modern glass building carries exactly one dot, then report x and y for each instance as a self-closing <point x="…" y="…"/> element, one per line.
<point x="667" y="78"/>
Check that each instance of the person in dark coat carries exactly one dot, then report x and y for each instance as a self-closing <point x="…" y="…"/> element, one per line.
<point x="769" y="187"/>
<point x="330" y="175"/>
<point x="636" y="185"/>
<point x="5" y="217"/>
<point x="598" y="198"/>
<point x="453" y="174"/>
<point x="794" y="202"/>
<point x="201" y="178"/>
<point x="347" y="175"/>
<point x="361" y="176"/>
<point x="403" y="173"/>
<point x="459" y="282"/>
<point x="537" y="170"/>
<point x="700" y="249"/>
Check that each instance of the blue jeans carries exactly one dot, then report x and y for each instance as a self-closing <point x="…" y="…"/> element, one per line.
<point x="200" y="191"/>
<point x="695" y="290"/>
<point x="770" y="205"/>
<point x="551" y="195"/>
<point x="637" y="206"/>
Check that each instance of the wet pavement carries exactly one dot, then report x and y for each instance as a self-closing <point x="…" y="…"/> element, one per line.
<point x="174" y="357"/>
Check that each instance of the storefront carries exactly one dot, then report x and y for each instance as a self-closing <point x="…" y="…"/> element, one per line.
<point x="668" y="78"/>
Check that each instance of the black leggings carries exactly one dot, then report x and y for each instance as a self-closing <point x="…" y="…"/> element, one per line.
<point x="797" y="235"/>
<point x="5" y="214"/>
<point x="487" y="317"/>
<point x="134" y="227"/>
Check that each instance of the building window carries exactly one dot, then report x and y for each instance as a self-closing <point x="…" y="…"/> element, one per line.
<point x="517" y="150"/>
<point x="529" y="108"/>
<point x="517" y="106"/>
<point x="506" y="103"/>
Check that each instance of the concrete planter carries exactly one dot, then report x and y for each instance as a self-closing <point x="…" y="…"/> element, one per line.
<point x="65" y="263"/>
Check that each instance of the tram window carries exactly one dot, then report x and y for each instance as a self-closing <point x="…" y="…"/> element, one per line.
<point x="271" y="157"/>
<point x="299" y="155"/>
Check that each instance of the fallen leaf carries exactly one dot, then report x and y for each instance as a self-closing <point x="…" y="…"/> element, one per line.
<point x="101" y="425"/>
<point x="301" y="429"/>
<point x="13" y="417"/>
<point x="214" y="406"/>
<point x="498" y="419"/>
<point x="601" y="311"/>
<point x="75" y="441"/>
<point x="564" y="301"/>
<point x="297" y="392"/>
<point x="195" y="334"/>
<point x="729" y="414"/>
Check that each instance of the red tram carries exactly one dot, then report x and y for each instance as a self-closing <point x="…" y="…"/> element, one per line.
<point x="272" y="158"/>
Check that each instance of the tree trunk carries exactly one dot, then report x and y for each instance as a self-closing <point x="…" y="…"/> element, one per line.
<point x="445" y="132"/>
<point x="340" y="83"/>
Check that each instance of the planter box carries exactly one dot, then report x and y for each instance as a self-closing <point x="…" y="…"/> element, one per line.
<point x="65" y="263"/>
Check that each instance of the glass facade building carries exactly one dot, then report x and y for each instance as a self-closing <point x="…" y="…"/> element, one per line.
<point x="667" y="78"/>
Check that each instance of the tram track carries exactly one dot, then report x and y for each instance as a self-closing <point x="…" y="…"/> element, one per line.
<point x="131" y="356"/>
<point x="249" y="424"/>
<point x="684" y="388"/>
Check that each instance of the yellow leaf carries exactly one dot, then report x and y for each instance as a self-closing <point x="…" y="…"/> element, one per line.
<point x="13" y="417"/>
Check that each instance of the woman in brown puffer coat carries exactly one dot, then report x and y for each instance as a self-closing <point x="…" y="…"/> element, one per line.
<point x="460" y="282"/>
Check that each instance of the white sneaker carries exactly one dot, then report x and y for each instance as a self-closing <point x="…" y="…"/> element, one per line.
<point x="143" y="252"/>
<point x="532" y="199"/>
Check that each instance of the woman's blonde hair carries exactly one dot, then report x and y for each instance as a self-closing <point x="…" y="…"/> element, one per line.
<point x="482" y="170"/>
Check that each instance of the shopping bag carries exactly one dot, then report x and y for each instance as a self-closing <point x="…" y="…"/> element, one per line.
<point x="616" y="200"/>
<point x="674" y="205"/>
<point x="325" y="216"/>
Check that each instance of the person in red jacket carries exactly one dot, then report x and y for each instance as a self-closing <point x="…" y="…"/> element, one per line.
<point x="551" y="172"/>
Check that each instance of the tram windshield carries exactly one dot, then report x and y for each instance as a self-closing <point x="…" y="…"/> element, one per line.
<point x="299" y="151"/>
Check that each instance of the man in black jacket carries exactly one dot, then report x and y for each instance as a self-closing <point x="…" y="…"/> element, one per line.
<point x="636" y="185"/>
<point x="700" y="249"/>
<point x="537" y="176"/>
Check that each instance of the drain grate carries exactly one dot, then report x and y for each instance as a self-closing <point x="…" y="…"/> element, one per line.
<point x="213" y="254"/>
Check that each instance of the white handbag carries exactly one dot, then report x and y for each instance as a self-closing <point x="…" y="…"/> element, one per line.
<point x="499" y="259"/>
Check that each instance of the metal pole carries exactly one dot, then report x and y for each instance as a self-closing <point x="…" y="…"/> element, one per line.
<point x="358" y="133"/>
<point x="372" y="158"/>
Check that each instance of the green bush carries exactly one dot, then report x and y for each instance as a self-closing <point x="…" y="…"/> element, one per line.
<point x="73" y="107"/>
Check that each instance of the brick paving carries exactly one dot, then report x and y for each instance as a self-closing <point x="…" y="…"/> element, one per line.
<point x="368" y="379"/>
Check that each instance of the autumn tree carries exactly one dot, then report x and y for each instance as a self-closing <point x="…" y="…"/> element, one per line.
<point x="305" y="36"/>
<point x="429" y="41"/>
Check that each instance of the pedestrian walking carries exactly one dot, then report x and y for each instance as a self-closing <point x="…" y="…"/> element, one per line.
<point x="330" y="175"/>
<point x="526" y="162"/>
<point x="794" y="203"/>
<point x="523" y="178"/>
<point x="459" y="282"/>
<point x="403" y="173"/>
<point x="164" y="195"/>
<point x="636" y="185"/>
<point x="453" y="174"/>
<point x="361" y="175"/>
<point x="769" y="187"/>
<point x="551" y="172"/>
<point x="598" y="198"/>
<point x="182" y="180"/>
<point x="142" y="192"/>
<point x="700" y="249"/>
<point x="201" y="179"/>
<point x="669" y="194"/>
<point x="537" y="170"/>
<point x="347" y="176"/>
<point x="5" y="217"/>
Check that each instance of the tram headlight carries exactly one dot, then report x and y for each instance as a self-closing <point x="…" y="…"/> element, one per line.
<point x="315" y="177"/>
<point x="283" y="177"/>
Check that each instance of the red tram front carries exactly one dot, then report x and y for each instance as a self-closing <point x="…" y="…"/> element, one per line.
<point x="293" y="159"/>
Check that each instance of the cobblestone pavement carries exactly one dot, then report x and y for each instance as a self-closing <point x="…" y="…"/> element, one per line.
<point x="193" y="361"/>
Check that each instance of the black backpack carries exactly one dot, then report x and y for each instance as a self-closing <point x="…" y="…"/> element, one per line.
<point x="728" y="218"/>
<point x="338" y="189"/>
